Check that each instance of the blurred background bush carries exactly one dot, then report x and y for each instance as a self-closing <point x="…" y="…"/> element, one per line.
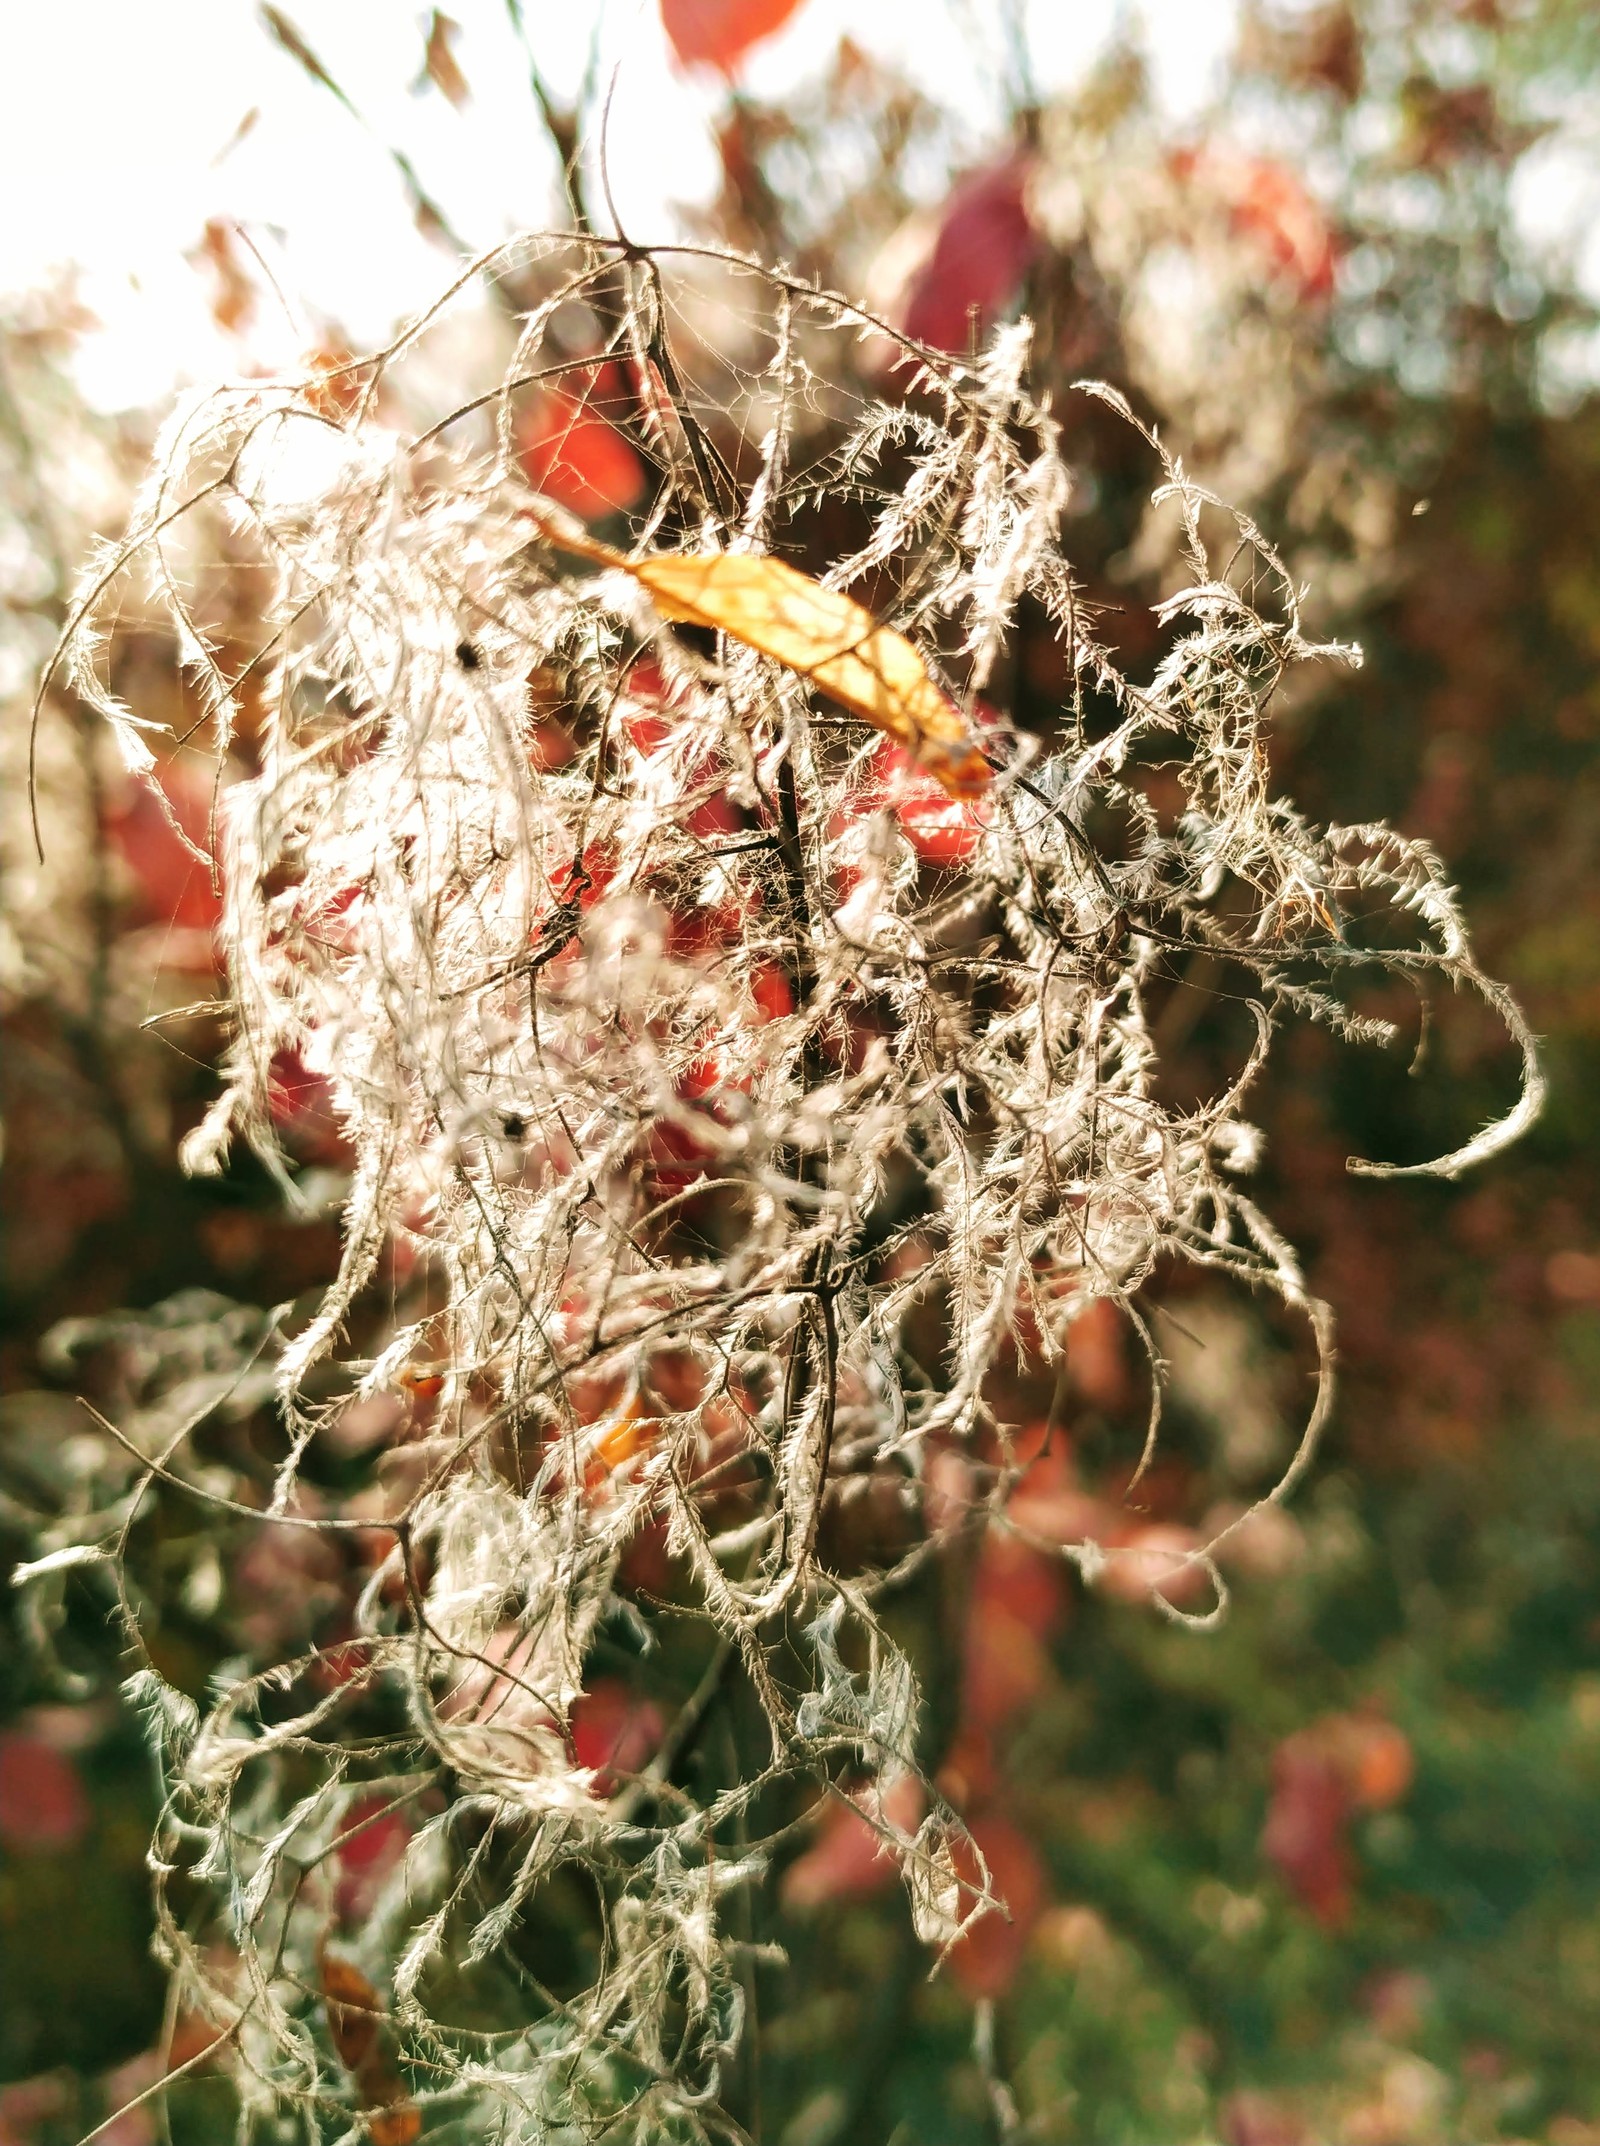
<point x="1331" y="1873"/>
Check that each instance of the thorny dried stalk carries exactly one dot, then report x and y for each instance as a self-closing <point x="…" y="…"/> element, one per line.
<point x="672" y="1084"/>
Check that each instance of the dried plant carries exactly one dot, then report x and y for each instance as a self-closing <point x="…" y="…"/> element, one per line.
<point x="689" y="1040"/>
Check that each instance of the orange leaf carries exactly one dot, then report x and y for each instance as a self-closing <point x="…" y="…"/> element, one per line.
<point x="356" y="2017"/>
<point x="1382" y="1767"/>
<point x="1268" y="205"/>
<point x="398" y="2125"/>
<point x="233" y="299"/>
<point x="718" y="33"/>
<point x="825" y="636"/>
<point x="624" y="1436"/>
<point x="355" y="2011"/>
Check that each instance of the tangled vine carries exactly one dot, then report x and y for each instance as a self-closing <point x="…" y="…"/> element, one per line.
<point x="688" y="1041"/>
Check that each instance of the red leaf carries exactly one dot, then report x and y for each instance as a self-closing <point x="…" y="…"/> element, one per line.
<point x="574" y="454"/>
<point x="1019" y="1601"/>
<point x="43" y="1803"/>
<point x="772" y="992"/>
<point x="1338" y="1764"/>
<point x="1097" y="1356"/>
<point x="986" y="1960"/>
<point x="136" y="2125"/>
<point x="368" y="1857"/>
<point x="346" y="1661"/>
<point x="845" y="1862"/>
<point x="848" y="1859"/>
<point x="1155" y="1561"/>
<point x="1304" y="1835"/>
<point x="301" y="1105"/>
<point x="984" y="246"/>
<point x="943" y="830"/>
<point x="171" y="885"/>
<point x="613" y="1732"/>
<point x="649" y="727"/>
<point x="1006" y="1668"/>
<point x="27" y="2103"/>
<point x="718" y="33"/>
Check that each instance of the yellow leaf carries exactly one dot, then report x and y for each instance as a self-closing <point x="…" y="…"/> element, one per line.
<point x="824" y="636"/>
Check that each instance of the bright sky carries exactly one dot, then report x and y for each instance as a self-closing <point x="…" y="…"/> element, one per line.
<point x="116" y="119"/>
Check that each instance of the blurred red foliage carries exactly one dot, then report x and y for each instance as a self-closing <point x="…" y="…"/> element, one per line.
<point x="43" y="1802"/>
<point x="614" y="1732"/>
<point x="1321" y="1776"/>
<point x="169" y="883"/>
<point x="373" y="1846"/>
<point x="1019" y="1601"/>
<point x="301" y="1103"/>
<point x="943" y="830"/>
<point x="718" y="33"/>
<point x="1271" y="208"/>
<point x="985" y="244"/>
<point x="985" y="1961"/>
<point x="848" y="1860"/>
<point x="1305" y="1832"/>
<point x="572" y="451"/>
